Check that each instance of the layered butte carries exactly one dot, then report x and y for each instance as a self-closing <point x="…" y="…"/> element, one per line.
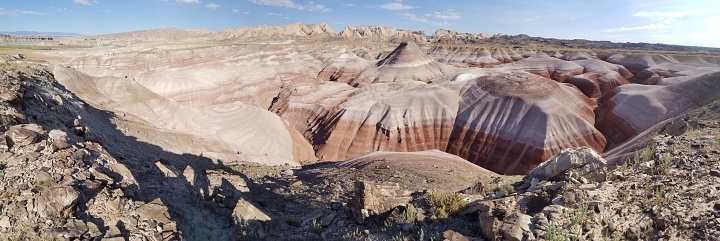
<point x="275" y="101"/>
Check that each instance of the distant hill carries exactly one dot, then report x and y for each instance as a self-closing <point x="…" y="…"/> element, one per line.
<point x="39" y="33"/>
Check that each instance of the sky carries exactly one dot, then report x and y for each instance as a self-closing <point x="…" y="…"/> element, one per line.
<point x="684" y="22"/>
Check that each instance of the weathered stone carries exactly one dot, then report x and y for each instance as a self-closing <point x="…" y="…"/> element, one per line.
<point x="155" y="210"/>
<point x="517" y="227"/>
<point x="571" y="164"/>
<point x="57" y="201"/>
<point x="676" y="128"/>
<point x="75" y="228"/>
<point x="248" y="217"/>
<point x="57" y="135"/>
<point x="372" y="199"/>
<point x="328" y="219"/>
<point x="312" y="216"/>
<point x="122" y="174"/>
<point x="167" y="170"/>
<point x="190" y="176"/>
<point x="21" y="136"/>
<point x="491" y="215"/>
<point x="451" y="235"/>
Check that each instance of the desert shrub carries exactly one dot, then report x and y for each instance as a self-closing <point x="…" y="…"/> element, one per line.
<point x="556" y="233"/>
<point x="446" y="204"/>
<point x="295" y="222"/>
<point x="506" y="190"/>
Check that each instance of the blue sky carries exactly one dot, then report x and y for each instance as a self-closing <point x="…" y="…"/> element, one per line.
<point x="687" y="22"/>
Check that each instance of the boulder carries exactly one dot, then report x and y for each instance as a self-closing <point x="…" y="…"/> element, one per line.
<point x="491" y="214"/>
<point x="581" y="163"/>
<point x="517" y="227"/>
<point x="155" y="210"/>
<point x="57" y="201"/>
<point x="249" y="218"/>
<point x="373" y="199"/>
<point x="21" y="136"/>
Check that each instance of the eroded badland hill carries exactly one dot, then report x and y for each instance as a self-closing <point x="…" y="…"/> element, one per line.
<point x="299" y="132"/>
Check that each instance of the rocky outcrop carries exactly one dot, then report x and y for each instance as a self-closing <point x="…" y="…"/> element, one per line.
<point x="508" y="123"/>
<point x="374" y="199"/>
<point x="290" y="31"/>
<point x="41" y="199"/>
<point x="383" y="34"/>
<point x="449" y="36"/>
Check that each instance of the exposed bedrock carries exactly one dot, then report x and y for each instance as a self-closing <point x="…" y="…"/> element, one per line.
<point x="473" y="57"/>
<point x="343" y="67"/>
<point x="510" y="122"/>
<point x="232" y="131"/>
<point x="631" y="109"/>
<point x="548" y="67"/>
<point x="407" y="62"/>
<point x="213" y="75"/>
<point x="406" y="116"/>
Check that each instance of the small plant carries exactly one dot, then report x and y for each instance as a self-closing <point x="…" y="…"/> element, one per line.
<point x="446" y="204"/>
<point x="315" y="227"/>
<point x="352" y="235"/>
<point x="398" y="237"/>
<point x="658" y="195"/>
<point x="409" y="215"/>
<point x="421" y="234"/>
<point x="645" y="155"/>
<point x="555" y="233"/>
<point x="624" y="167"/>
<point x="506" y="190"/>
<point x="582" y="214"/>
<point x="662" y="166"/>
<point x="295" y="222"/>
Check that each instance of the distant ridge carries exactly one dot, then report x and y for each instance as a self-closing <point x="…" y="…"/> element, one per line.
<point x="39" y="33"/>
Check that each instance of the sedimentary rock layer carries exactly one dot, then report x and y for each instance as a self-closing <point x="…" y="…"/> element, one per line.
<point x="508" y="122"/>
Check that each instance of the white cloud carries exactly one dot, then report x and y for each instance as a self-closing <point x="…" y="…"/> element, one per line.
<point x="33" y="13"/>
<point x="714" y="20"/>
<point x="396" y="6"/>
<point x="623" y="29"/>
<point x="246" y="12"/>
<point x="660" y="20"/>
<point x="532" y="19"/>
<point x="274" y="14"/>
<point x="279" y="3"/>
<point x="2" y="11"/>
<point x="235" y="11"/>
<point x="348" y="4"/>
<point x="449" y="14"/>
<point x="661" y="16"/>
<point x="84" y="2"/>
<point x="188" y="1"/>
<point x="213" y="6"/>
<point x="413" y="17"/>
<point x="311" y="6"/>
